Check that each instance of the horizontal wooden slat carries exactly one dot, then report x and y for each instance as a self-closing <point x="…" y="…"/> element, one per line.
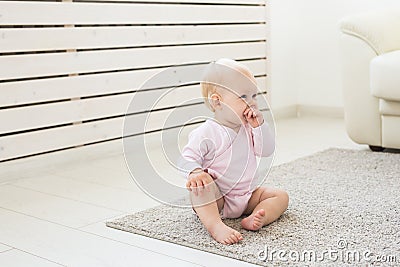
<point x="46" y="39"/>
<point x="237" y="2"/>
<point x="23" y="66"/>
<point x="38" y="116"/>
<point x="33" y="91"/>
<point x="61" y="13"/>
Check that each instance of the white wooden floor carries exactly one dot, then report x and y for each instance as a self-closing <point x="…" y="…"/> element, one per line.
<point x="53" y="207"/>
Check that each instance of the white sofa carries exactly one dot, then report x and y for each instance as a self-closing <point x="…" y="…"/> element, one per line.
<point x="370" y="57"/>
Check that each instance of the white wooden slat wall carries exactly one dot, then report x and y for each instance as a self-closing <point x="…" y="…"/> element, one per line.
<point x="69" y="69"/>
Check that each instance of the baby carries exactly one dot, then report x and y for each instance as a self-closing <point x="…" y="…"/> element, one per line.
<point x="220" y="161"/>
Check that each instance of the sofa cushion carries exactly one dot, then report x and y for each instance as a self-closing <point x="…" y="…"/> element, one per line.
<point x="385" y="76"/>
<point x="379" y="29"/>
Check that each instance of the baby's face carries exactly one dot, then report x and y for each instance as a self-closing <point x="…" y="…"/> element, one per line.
<point x="236" y="100"/>
<point x="237" y="89"/>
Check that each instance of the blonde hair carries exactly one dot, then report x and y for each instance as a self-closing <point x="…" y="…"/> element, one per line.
<point x="213" y="77"/>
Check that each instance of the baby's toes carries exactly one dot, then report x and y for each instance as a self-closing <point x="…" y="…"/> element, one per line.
<point x="257" y="224"/>
<point x="238" y="235"/>
<point x="229" y="241"/>
<point x="235" y="237"/>
<point x="256" y="221"/>
<point x="260" y="213"/>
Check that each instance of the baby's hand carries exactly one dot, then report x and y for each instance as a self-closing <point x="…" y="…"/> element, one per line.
<point x="253" y="116"/>
<point x="197" y="181"/>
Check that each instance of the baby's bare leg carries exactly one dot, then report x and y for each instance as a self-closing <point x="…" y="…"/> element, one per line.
<point x="265" y="205"/>
<point x="207" y="203"/>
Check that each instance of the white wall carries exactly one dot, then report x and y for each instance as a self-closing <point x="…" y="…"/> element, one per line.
<point x="305" y="67"/>
<point x="282" y="21"/>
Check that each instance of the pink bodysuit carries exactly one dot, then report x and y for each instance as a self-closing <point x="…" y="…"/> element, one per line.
<point x="230" y="158"/>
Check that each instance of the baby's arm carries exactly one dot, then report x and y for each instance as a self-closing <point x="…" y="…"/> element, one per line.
<point x="191" y="156"/>
<point x="198" y="148"/>
<point x="264" y="140"/>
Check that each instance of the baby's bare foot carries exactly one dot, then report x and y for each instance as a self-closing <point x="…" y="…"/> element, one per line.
<point x="255" y="221"/>
<point x="224" y="234"/>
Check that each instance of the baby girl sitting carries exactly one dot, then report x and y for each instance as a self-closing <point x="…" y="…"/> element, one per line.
<point x="220" y="161"/>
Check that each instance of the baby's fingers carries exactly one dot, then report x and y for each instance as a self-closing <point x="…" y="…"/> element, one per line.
<point x="193" y="184"/>
<point x="250" y="114"/>
<point x="194" y="187"/>
<point x="200" y="187"/>
<point x="207" y="185"/>
<point x="256" y="112"/>
<point x="246" y="112"/>
<point x="199" y="183"/>
<point x="189" y="185"/>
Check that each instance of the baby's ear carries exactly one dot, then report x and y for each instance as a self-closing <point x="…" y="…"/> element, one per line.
<point x="215" y="101"/>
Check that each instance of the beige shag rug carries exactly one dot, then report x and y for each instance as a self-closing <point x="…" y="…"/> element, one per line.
<point x="344" y="210"/>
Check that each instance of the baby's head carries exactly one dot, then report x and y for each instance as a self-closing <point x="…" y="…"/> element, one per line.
<point x="228" y="88"/>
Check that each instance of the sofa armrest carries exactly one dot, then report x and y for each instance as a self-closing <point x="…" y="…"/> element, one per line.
<point x="380" y="30"/>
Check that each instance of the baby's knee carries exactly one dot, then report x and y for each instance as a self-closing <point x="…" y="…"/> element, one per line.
<point x="284" y="196"/>
<point x="206" y="194"/>
<point x="214" y="189"/>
